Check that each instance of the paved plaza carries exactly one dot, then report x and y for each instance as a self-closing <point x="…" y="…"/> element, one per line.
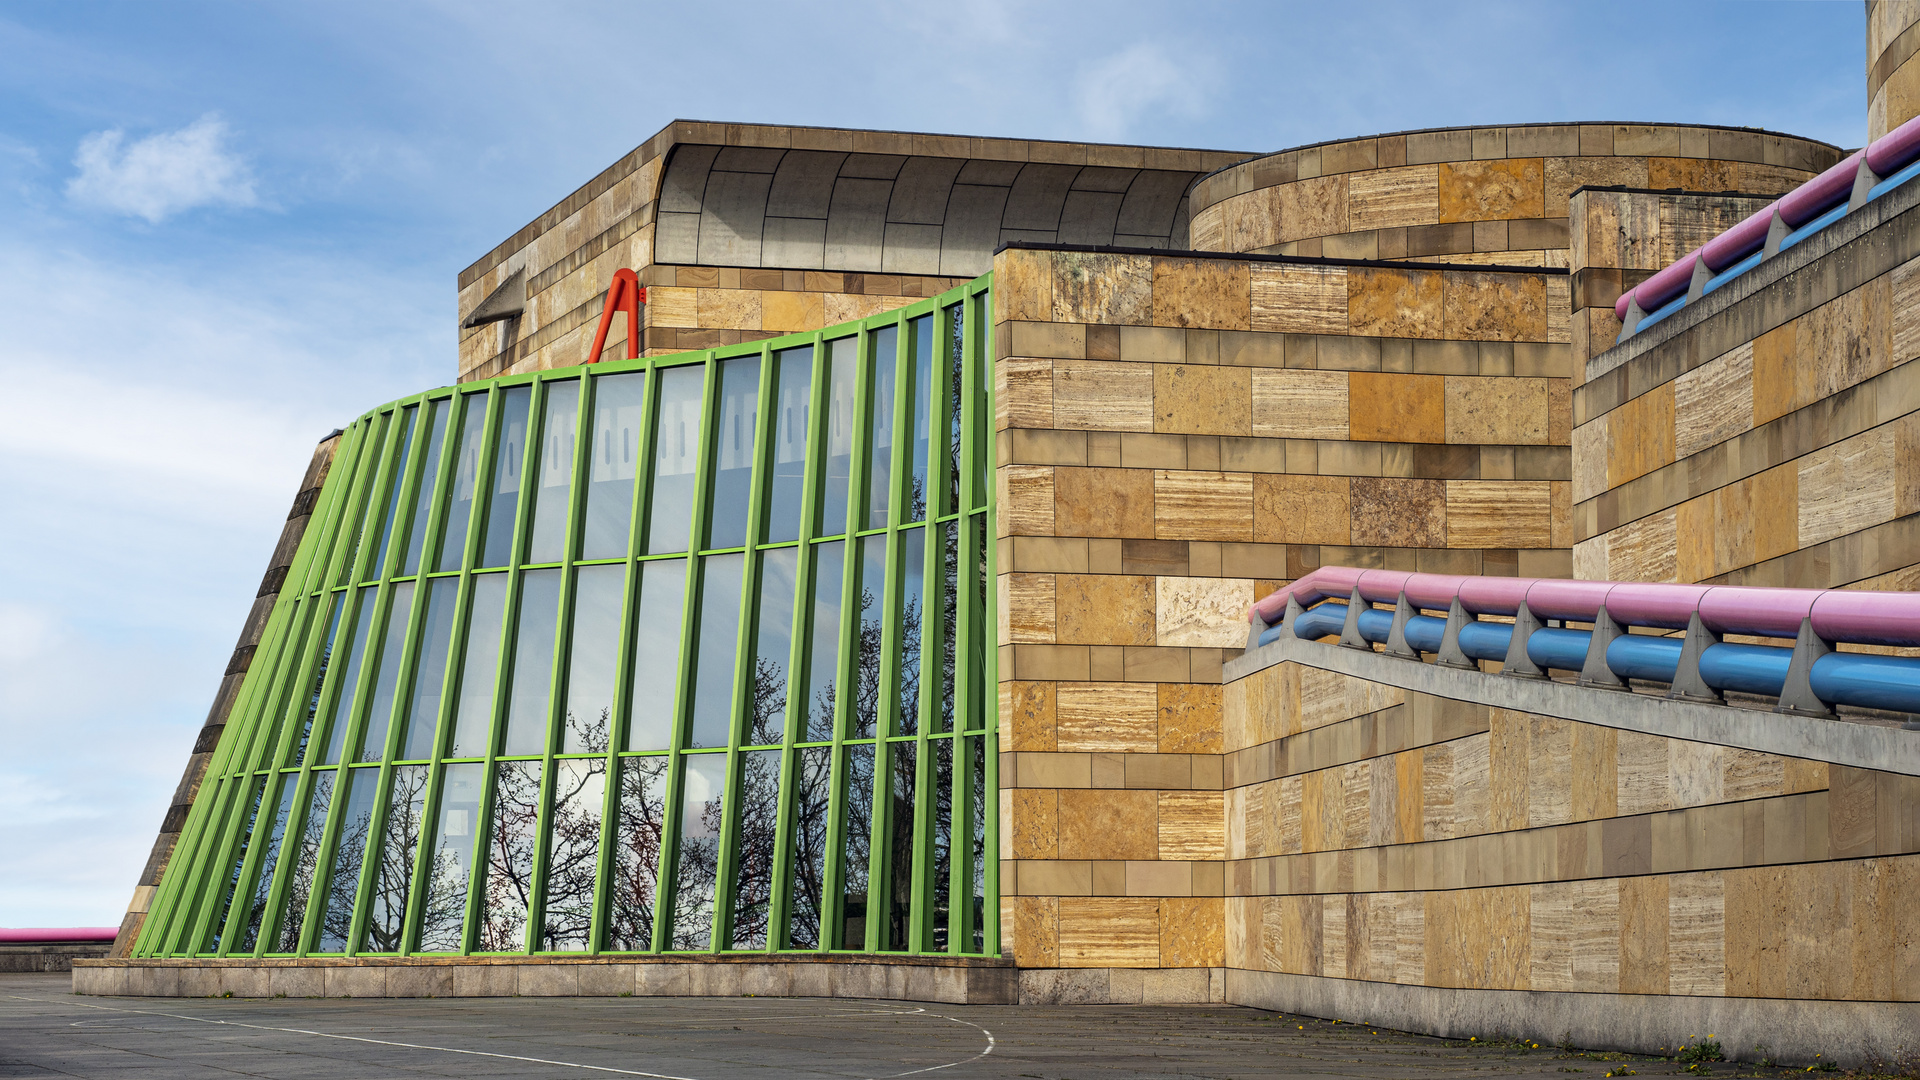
<point x="47" y="1031"/>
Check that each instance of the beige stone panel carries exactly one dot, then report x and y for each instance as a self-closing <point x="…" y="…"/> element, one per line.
<point x="1036" y="931"/>
<point x="1397" y="408"/>
<point x="1437" y="820"/>
<point x="1642" y="775"/>
<point x="1750" y="774"/>
<point x="1501" y="410"/>
<point x="1297" y="404"/>
<point x="1847" y="486"/>
<point x="1109" y="932"/>
<point x="1029" y="711"/>
<point x="1308" y="208"/>
<point x="1776" y="500"/>
<point x="1026" y="500"/>
<point x="1409" y="784"/>
<point x="1023" y="393"/>
<point x="1102" y="290"/>
<point x="1107" y="718"/>
<point x="1392" y="198"/>
<point x="1028" y="613"/>
<point x="1189" y="718"/>
<point x="673" y="307"/>
<point x="1905" y="302"/>
<point x="1328" y="697"/>
<point x="1559" y="302"/>
<point x="1300" y="934"/>
<point x="792" y="311"/>
<point x="1247" y="222"/>
<point x="1273" y="936"/>
<point x="1562" y="175"/>
<point x="1594" y="756"/>
<point x="1642" y="947"/>
<point x="1202" y="505"/>
<point x="1589" y="459"/>
<point x="1492" y="190"/>
<point x="1713" y="402"/>
<point x="1472" y="785"/>
<point x="1107" y="823"/>
<point x="1395" y="303"/>
<point x="1201" y="612"/>
<point x="1776" y="355"/>
<point x="1233" y="715"/>
<point x="1494" y="307"/>
<point x="1102" y="395"/>
<point x="1287" y="816"/>
<point x="1696" y="935"/>
<point x="1298" y="299"/>
<point x="1036" y="827"/>
<point x="1200" y="399"/>
<point x="1333" y="936"/>
<point x="1391" y="512"/>
<point x="1103" y="502"/>
<point x="1105" y="609"/>
<point x="1642" y="550"/>
<point x="1551" y="929"/>
<point x="1192" y="934"/>
<point x="1208" y="294"/>
<point x="1696" y="773"/>
<point x="1302" y="509"/>
<point x="1499" y="513"/>
<point x="1549" y="777"/>
<point x="1193" y="825"/>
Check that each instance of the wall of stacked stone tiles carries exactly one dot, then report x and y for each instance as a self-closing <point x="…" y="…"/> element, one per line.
<point x="1893" y="79"/>
<point x="1176" y="436"/>
<point x="1499" y="196"/>
<point x="1776" y="442"/>
<point x="1390" y="836"/>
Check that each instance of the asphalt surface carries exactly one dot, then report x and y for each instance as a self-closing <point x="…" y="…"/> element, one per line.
<point x="46" y="1030"/>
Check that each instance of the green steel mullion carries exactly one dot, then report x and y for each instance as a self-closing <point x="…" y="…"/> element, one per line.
<point x="180" y="935"/>
<point x="848" y="673"/>
<point x="960" y="938"/>
<point x="324" y="522"/>
<point x="342" y="533"/>
<point x="477" y="857"/>
<point x="697" y="541"/>
<point x="990" y="742"/>
<point x="417" y="883"/>
<point x="409" y="480"/>
<point x="932" y="624"/>
<point x="441" y="490"/>
<point x="690" y="578"/>
<point x="556" y="668"/>
<point x="576" y="530"/>
<point x="373" y="492"/>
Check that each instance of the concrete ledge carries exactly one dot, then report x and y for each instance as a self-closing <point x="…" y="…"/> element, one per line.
<point x="1846" y="1033"/>
<point x="15" y="958"/>
<point x="1841" y="742"/>
<point x="1122" y="986"/>
<point x="953" y="981"/>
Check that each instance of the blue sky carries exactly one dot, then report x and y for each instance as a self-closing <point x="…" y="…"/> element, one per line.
<point x="226" y="228"/>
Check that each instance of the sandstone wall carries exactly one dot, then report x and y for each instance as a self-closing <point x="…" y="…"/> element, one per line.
<point x="1893" y="79"/>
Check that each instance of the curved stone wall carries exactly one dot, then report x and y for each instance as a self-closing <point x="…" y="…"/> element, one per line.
<point x="1475" y="195"/>
<point x="1893" y="78"/>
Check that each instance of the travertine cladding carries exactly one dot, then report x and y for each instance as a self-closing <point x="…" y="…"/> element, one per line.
<point x="1773" y="442"/>
<point x="569" y="254"/>
<point x="1176" y="435"/>
<point x="1893" y="79"/>
<point x="1380" y="834"/>
<point x="1619" y="238"/>
<point x="1475" y="195"/>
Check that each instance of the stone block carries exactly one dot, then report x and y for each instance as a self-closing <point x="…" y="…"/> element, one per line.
<point x="1107" y="717"/>
<point x="1109" y="932"/>
<point x="1393" y="198"/>
<point x="1023" y="395"/>
<point x="1299" y="404"/>
<point x="1108" y="824"/>
<point x="1400" y="513"/>
<point x="1104" y="609"/>
<point x="608" y="980"/>
<point x="1027" y="610"/>
<point x="1192" y="825"/>
<point x="1102" y="502"/>
<point x="1026" y="500"/>
<point x="1499" y="513"/>
<point x="1036" y="830"/>
<point x="1497" y="410"/>
<point x="484" y="980"/>
<point x="1298" y="299"/>
<point x="1102" y="395"/>
<point x="1496" y="307"/>
<point x="1204" y="293"/>
<point x="297" y="982"/>
<point x="1189" y="719"/>
<point x="1202" y="400"/>
<point x="247" y="982"/>
<point x="1847" y="486"/>
<point x="1200" y="612"/>
<point x="427" y="981"/>
<point x="1202" y="505"/>
<point x="1302" y="509"/>
<point x="357" y="982"/>
<point x="1105" y="290"/>
<point x="1395" y="303"/>
<point x="1397" y="408"/>
<point x="1489" y="190"/>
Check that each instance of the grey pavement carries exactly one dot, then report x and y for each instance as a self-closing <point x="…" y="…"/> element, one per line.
<point x="46" y="1030"/>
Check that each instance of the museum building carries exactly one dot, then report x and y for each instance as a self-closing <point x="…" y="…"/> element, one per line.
<point x="1460" y="579"/>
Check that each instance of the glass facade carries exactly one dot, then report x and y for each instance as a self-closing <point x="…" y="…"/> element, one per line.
<point x="680" y="654"/>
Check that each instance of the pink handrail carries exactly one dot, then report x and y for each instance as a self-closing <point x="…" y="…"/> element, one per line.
<point x="57" y="935"/>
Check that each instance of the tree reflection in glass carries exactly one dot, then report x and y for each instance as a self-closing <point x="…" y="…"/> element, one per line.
<point x="900" y="825"/>
<point x="636" y="853"/>
<point x="656" y="654"/>
<point x="263" y="880"/>
<point x="443" y="914"/>
<point x="807" y="884"/>
<point x="823" y="655"/>
<point x="306" y="863"/>
<point x="393" y="868"/>
<point x="913" y="564"/>
<point x="573" y="852"/>
<point x="343" y="877"/>
<point x="856" y="846"/>
<point x="702" y="803"/>
<point x="509" y="862"/>
<point x="881" y="376"/>
<point x="593" y="663"/>
<point x="754" y="842"/>
<point x="767" y="703"/>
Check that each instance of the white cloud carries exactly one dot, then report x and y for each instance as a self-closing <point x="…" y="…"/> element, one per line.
<point x="1115" y="94"/>
<point x="163" y="173"/>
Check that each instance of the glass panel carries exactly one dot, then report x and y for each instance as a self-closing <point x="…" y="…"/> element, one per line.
<point x="398" y="483"/>
<point x="636" y="853"/>
<point x="719" y="641"/>
<point x="349" y="675"/>
<point x="593" y="665"/>
<point x="941" y="864"/>
<point x="786" y="487"/>
<point x="573" y="854"/>
<point x="900" y="825"/>
<point x="423" y="496"/>
<point x="263" y="878"/>
<point x="701" y="800"/>
<point x="393" y="645"/>
<point x="558" y="434"/>
<point x="733" y="432"/>
<point x="532" y="672"/>
<point x="808" y="871"/>
<point x="823" y="651"/>
<point x="759" y="810"/>
<point x="773" y="643"/>
<point x="343" y="875"/>
<point x="516" y="820"/>
<point x="393" y="869"/>
<point x="430" y="673"/>
<point x="656" y="655"/>
<point x="466" y="482"/>
<point x="977" y="832"/>
<point x="676" y="448"/>
<point x="509" y="457"/>
<point x="942" y="718"/>
<point x="615" y="452"/>
<point x="865" y="718"/>
<point x="983" y="416"/>
<point x="357" y="523"/>
<point x="956" y="358"/>
<point x="311" y="706"/>
<point x="881" y="375"/>
<point x="976" y="627"/>
<point x="913" y="565"/>
<point x="473" y="715"/>
<point x="841" y="418"/>
<point x="232" y="884"/>
<point x="856" y="846"/>
<point x="306" y="861"/>
<point x="444" y="910"/>
<point x="920" y="417"/>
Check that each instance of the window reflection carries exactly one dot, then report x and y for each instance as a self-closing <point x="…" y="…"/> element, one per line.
<point x="396" y="485"/>
<point x="656" y="655"/>
<point x="702" y="799"/>
<point x="735" y="420"/>
<point x="615" y="452"/>
<point x="823" y="656"/>
<point x="807" y="881"/>
<point x="573" y="850"/>
<point x="309" y="704"/>
<point x="883" y="364"/>
<point x="386" y="676"/>
<point x="719" y="643"/>
<point x="856" y="846"/>
<point x="786" y="486"/>
<point x="430" y="673"/>
<point x="392" y="869"/>
<point x="913" y="562"/>
<point x="767" y="697"/>
<point x="269" y="858"/>
<point x="509" y="857"/>
<point x="919" y="416"/>
<point x="349" y="677"/>
<point x="900" y="845"/>
<point x="466" y="482"/>
<point x="759" y="810"/>
<point x="954" y="323"/>
<point x="559" y="430"/>
<point x="423" y="497"/>
<point x="940" y="866"/>
<point x="256" y="791"/>
<point x="593" y="665"/>
<point x="509" y="457"/>
<point x="676" y="450"/>
<point x="343" y="878"/>
<point x="841" y="419"/>
<point x="636" y="853"/>
<point x="532" y="675"/>
<point x="306" y="863"/>
<point x="864" y="718"/>
<point x="473" y="718"/>
<point x="449" y="869"/>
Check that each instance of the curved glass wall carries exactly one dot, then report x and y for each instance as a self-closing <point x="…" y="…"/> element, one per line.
<point x="680" y="654"/>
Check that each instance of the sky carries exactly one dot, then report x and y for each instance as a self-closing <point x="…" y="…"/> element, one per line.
<point x="228" y="228"/>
